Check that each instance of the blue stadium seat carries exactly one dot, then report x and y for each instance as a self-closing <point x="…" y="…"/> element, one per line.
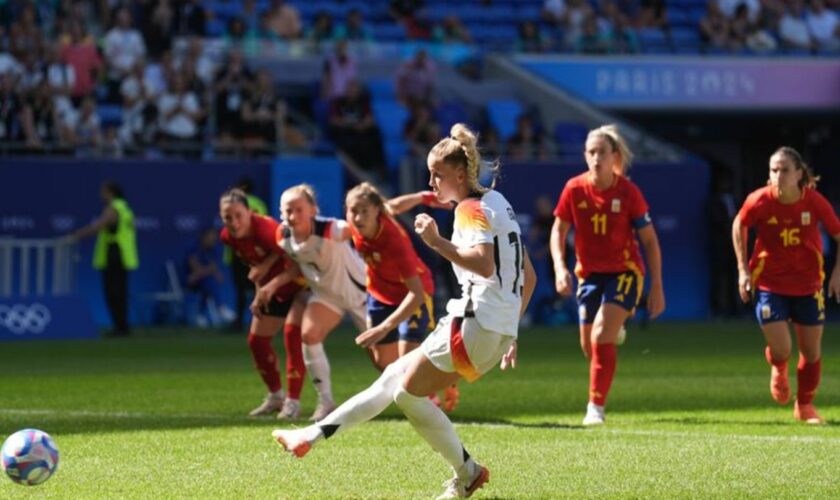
<point x="685" y="40"/>
<point x="449" y="113"/>
<point x="215" y="28"/>
<point x="381" y="88"/>
<point x="110" y="115"/>
<point x="654" y="41"/>
<point x="503" y="114"/>
<point x="391" y="117"/>
<point x="678" y="17"/>
<point x="227" y="10"/>
<point x="394" y="149"/>
<point x="388" y="32"/>
<point x="570" y="136"/>
<point x="528" y="13"/>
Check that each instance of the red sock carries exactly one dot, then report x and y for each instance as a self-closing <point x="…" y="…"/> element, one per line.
<point x="601" y="372"/>
<point x="781" y="365"/>
<point x="807" y="378"/>
<point x="295" y="368"/>
<point x="265" y="360"/>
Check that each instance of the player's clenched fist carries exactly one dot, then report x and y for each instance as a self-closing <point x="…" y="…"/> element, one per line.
<point x="426" y="227"/>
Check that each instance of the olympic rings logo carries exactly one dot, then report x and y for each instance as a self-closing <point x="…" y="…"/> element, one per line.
<point x="21" y="319"/>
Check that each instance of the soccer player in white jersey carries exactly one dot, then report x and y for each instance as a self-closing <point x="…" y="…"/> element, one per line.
<point x="334" y="272"/>
<point x="480" y="329"/>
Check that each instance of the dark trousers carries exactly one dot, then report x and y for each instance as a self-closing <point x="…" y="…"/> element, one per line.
<point x="115" y="285"/>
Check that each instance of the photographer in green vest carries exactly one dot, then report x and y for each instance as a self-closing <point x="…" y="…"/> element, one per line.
<point x="115" y="252"/>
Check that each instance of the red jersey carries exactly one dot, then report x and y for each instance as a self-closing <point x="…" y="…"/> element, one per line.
<point x="391" y="260"/>
<point x="605" y="222"/>
<point x="255" y="248"/>
<point x="787" y="258"/>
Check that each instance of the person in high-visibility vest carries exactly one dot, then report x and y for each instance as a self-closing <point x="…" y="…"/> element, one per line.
<point x="115" y="252"/>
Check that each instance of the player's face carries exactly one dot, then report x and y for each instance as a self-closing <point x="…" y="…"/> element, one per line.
<point x="236" y="218"/>
<point x="783" y="174"/>
<point x="600" y="156"/>
<point x="364" y="217"/>
<point x="444" y="179"/>
<point x="297" y="213"/>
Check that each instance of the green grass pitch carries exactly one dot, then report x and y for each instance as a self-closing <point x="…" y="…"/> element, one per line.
<point x="161" y="416"/>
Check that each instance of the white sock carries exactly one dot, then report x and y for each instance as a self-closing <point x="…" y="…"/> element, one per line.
<point x="431" y="423"/>
<point x="318" y="366"/>
<point x="364" y="405"/>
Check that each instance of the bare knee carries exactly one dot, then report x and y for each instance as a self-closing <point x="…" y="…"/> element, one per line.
<point x="810" y="353"/>
<point x="311" y="337"/>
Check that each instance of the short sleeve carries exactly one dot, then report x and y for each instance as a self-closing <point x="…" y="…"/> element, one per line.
<point x="563" y="209"/>
<point x="749" y="210"/>
<point x="401" y="251"/>
<point x="639" y="210"/>
<point x="265" y="233"/>
<point x="473" y="222"/>
<point x="337" y="228"/>
<point x="827" y="215"/>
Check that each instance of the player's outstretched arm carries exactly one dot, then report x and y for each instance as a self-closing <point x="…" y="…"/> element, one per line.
<point x="529" y="285"/>
<point x="264" y="294"/>
<point x="106" y="218"/>
<point x="834" y="280"/>
<point x="410" y="303"/>
<point x="739" y="241"/>
<point x="257" y="272"/>
<point x="406" y="202"/>
<point x="656" y="297"/>
<point x="557" y="245"/>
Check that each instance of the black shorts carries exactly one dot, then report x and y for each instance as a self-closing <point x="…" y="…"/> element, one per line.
<point x="278" y="309"/>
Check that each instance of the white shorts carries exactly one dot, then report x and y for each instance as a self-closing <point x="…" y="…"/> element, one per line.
<point x="358" y="312"/>
<point x="462" y="345"/>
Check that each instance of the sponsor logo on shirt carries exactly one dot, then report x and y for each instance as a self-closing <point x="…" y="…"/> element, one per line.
<point x="582" y="205"/>
<point x="773" y="221"/>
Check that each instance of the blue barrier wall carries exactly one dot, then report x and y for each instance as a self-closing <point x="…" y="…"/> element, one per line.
<point x="174" y="200"/>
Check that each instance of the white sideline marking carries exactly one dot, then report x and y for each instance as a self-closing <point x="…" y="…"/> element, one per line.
<point x="121" y="414"/>
<point x="626" y="432"/>
<point x="678" y="434"/>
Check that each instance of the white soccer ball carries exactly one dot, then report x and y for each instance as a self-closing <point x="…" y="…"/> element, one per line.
<point x="29" y="457"/>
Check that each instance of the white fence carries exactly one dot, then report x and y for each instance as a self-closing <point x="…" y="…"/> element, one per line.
<point x="37" y="267"/>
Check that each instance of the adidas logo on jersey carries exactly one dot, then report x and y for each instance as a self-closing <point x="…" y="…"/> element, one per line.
<point x="772" y="221"/>
<point x="583" y="205"/>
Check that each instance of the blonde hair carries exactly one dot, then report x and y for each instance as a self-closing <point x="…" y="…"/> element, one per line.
<point x="368" y="193"/>
<point x="305" y="190"/>
<point x="809" y="179"/>
<point x="461" y="150"/>
<point x="613" y="136"/>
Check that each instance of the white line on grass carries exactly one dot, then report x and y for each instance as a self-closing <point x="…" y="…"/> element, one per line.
<point x="119" y="414"/>
<point x="663" y="433"/>
<point x="493" y="425"/>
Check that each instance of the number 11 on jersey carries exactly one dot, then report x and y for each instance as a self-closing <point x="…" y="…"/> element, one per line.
<point x="599" y="223"/>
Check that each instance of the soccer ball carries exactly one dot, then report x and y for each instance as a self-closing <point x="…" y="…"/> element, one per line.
<point x="29" y="457"/>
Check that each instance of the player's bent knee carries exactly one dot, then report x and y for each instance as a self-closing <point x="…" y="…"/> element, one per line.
<point x="312" y="337"/>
